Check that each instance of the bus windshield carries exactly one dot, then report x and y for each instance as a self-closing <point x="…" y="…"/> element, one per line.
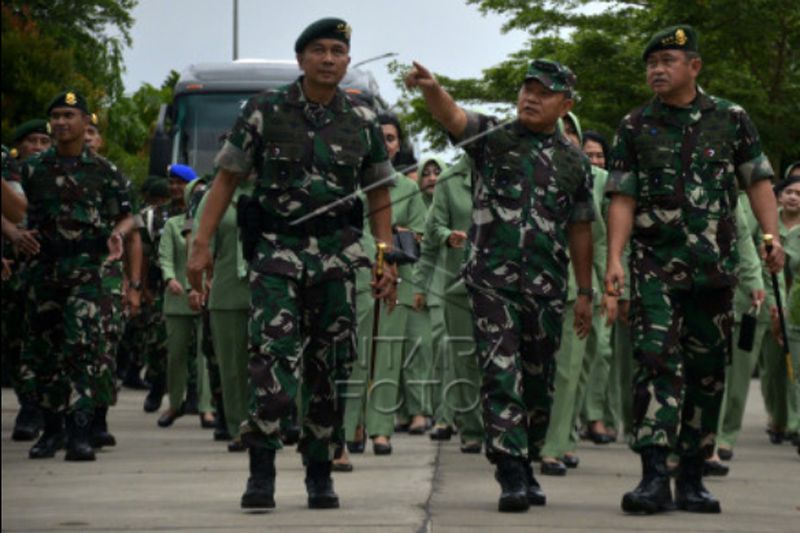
<point x="201" y="122"/>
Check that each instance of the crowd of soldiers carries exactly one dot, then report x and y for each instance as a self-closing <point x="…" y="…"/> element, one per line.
<point x="320" y="290"/>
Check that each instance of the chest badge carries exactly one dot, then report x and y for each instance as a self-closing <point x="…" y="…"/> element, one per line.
<point x="710" y="152"/>
<point x="276" y="151"/>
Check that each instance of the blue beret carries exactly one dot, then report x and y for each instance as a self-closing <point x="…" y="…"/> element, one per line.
<point x="183" y="172"/>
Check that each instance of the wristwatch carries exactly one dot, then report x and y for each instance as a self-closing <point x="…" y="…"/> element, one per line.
<point x="586" y="291"/>
<point x="135" y="285"/>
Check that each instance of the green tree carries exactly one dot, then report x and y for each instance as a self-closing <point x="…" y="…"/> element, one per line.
<point x="749" y="49"/>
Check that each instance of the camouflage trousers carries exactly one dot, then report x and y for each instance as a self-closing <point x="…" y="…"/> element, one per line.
<point x="315" y="321"/>
<point x="154" y="341"/>
<point x="111" y="324"/>
<point x="516" y="338"/>
<point x="682" y="340"/>
<point x="64" y="335"/>
<point x="13" y="327"/>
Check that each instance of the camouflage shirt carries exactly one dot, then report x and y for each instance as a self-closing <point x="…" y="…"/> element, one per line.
<point x="528" y="187"/>
<point x="74" y="198"/>
<point x="683" y="166"/>
<point x="306" y="156"/>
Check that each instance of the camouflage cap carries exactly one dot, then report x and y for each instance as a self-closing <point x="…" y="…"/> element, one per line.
<point x="72" y="99"/>
<point x="36" y="125"/>
<point x="681" y="37"/>
<point x="553" y="75"/>
<point x="327" y="28"/>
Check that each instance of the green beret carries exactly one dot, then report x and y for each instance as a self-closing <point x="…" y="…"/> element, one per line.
<point x="159" y="188"/>
<point x="36" y="125"/>
<point x="681" y="37"/>
<point x="553" y="75"/>
<point x="72" y="99"/>
<point x="327" y="28"/>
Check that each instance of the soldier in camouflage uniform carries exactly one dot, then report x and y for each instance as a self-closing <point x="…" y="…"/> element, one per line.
<point x="532" y="199"/>
<point x="675" y="169"/>
<point x="311" y="147"/>
<point x="29" y="139"/>
<point x="80" y="206"/>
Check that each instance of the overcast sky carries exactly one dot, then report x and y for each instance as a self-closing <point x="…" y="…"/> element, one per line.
<point x="448" y="36"/>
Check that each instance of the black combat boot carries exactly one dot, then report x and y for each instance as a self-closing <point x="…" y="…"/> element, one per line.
<point x="28" y="423"/>
<point x="319" y="486"/>
<point x="536" y="495"/>
<point x="191" y="404"/>
<point x="100" y="435"/>
<point x="133" y="378"/>
<point x="653" y="493"/>
<point x="690" y="494"/>
<point x="52" y="438"/>
<point x="260" y="491"/>
<point x="513" y="479"/>
<point x="221" y="432"/>
<point x="152" y="402"/>
<point x="79" y="430"/>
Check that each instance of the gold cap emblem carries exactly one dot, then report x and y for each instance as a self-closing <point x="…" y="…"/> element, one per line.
<point x="95" y="121"/>
<point x="71" y="99"/>
<point x="680" y="37"/>
<point x="14" y="153"/>
<point x="345" y="29"/>
<point x="49" y="129"/>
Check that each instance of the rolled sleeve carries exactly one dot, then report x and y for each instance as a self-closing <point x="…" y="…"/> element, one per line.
<point x="233" y="159"/>
<point x="378" y="174"/>
<point x="623" y="175"/>
<point x="583" y="209"/>
<point x="244" y="142"/>
<point x="753" y="171"/>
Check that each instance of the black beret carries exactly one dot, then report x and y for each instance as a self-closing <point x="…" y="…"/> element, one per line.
<point x="327" y="28"/>
<point x="681" y="37"/>
<point x="36" y="125"/>
<point x="72" y="99"/>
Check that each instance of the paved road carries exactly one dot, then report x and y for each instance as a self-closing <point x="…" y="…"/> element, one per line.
<point x="178" y="479"/>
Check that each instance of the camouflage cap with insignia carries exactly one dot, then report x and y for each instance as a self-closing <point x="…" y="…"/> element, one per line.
<point x="553" y="75"/>
<point x="681" y="37"/>
<point x="72" y="99"/>
<point x="327" y="28"/>
<point x="36" y="125"/>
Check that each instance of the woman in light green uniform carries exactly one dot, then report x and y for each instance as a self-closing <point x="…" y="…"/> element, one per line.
<point x="181" y="321"/>
<point x="228" y="304"/>
<point x="408" y="213"/>
<point x="438" y="274"/>
<point x="416" y="378"/>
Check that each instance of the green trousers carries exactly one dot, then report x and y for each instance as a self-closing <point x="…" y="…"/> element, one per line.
<point x="383" y="398"/>
<point x="181" y="332"/>
<point x="356" y="394"/>
<point x="597" y="405"/>
<point x="780" y="395"/>
<point x="438" y="331"/>
<point x="461" y="390"/>
<point x="622" y="371"/>
<point x="569" y="361"/>
<point x="415" y="376"/>
<point x="229" y="331"/>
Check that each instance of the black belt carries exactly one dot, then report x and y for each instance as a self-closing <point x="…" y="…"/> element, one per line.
<point x="319" y="226"/>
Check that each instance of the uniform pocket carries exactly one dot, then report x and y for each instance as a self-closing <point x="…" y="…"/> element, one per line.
<point x="284" y="165"/>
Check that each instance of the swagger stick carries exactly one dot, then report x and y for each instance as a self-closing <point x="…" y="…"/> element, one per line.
<point x="777" y="289"/>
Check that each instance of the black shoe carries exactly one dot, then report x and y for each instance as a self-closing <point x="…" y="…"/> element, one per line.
<point x="570" y="461"/>
<point x="290" y="436"/>
<point x="260" y="491"/>
<point x="382" y="449"/>
<point x="794" y="438"/>
<point x="52" y="439"/>
<point x="190" y="404"/>
<point x="79" y="430"/>
<point x="133" y="379"/>
<point x="441" y="433"/>
<point x="356" y="446"/>
<point x="100" y="436"/>
<point x="536" y="495"/>
<point x="402" y="427"/>
<point x="236" y="445"/>
<point x="167" y="419"/>
<point x="471" y="447"/>
<point x="726" y="454"/>
<point x="222" y="434"/>
<point x="598" y="438"/>
<point x="28" y="423"/>
<point x="653" y="494"/>
<point x="152" y="402"/>
<point x="549" y="468"/>
<point x="690" y="494"/>
<point x="511" y="475"/>
<point x="207" y="424"/>
<point x="319" y="486"/>
<point x="714" y="468"/>
<point x="775" y="437"/>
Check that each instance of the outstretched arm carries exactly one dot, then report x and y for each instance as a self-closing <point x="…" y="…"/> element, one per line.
<point x="441" y="105"/>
